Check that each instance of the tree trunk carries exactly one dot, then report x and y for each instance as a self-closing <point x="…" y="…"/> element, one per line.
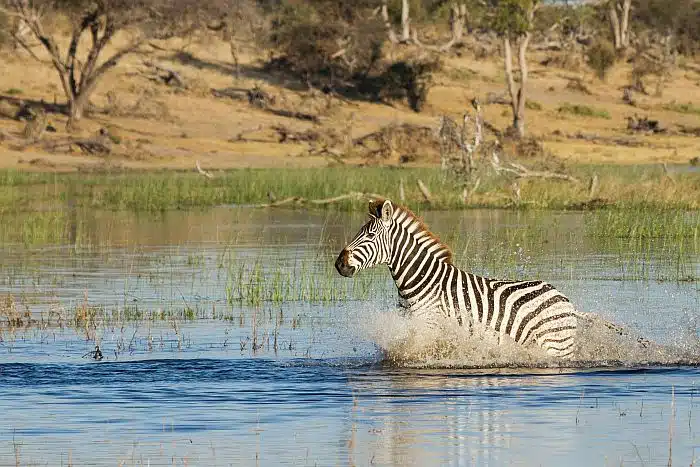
<point x="76" y="107"/>
<point x="624" y="26"/>
<point x="614" y="25"/>
<point x="458" y="15"/>
<point x="519" y="120"/>
<point x="387" y="24"/>
<point x="233" y="46"/>
<point x="619" y="23"/>
<point x="517" y="94"/>
<point x="405" y="22"/>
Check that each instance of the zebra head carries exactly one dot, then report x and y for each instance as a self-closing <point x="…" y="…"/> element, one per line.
<point x="372" y="244"/>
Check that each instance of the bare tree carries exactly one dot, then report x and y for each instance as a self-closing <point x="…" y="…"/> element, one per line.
<point x="513" y="21"/>
<point x="240" y="23"/>
<point x="80" y="67"/>
<point x="405" y="23"/>
<point x="619" y="15"/>
<point x="458" y="17"/>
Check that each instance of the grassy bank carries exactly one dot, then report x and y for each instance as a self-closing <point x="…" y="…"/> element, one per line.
<point x="619" y="186"/>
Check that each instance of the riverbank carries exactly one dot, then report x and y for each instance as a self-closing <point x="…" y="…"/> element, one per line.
<point x="596" y="186"/>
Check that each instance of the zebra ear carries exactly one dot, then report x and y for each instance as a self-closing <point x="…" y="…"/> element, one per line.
<point x="387" y="212"/>
<point x="373" y="210"/>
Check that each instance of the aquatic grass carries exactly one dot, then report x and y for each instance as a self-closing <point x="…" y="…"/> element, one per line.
<point x="643" y="223"/>
<point x="652" y="244"/>
<point x="254" y="282"/>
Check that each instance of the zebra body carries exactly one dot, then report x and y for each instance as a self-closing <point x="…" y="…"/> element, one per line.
<point x="431" y="287"/>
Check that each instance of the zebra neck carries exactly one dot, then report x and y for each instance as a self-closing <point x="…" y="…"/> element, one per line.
<point x="416" y="253"/>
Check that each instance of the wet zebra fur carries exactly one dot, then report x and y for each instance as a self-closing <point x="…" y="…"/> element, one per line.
<point x="430" y="286"/>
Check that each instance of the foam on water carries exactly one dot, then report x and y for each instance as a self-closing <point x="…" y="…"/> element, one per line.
<point x="411" y="342"/>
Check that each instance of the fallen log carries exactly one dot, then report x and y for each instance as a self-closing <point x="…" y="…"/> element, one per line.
<point x="298" y="200"/>
<point x="202" y="171"/>
<point x="167" y="75"/>
<point x="521" y="171"/>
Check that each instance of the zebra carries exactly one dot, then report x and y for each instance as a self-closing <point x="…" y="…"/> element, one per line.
<point x="430" y="286"/>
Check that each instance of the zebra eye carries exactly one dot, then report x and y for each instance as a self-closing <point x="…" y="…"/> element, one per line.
<point x="371" y="235"/>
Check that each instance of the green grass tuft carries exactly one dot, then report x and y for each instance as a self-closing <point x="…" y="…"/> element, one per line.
<point x="583" y="111"/>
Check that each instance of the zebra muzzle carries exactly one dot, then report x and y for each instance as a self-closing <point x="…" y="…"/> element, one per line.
<point x="342" y="266"/>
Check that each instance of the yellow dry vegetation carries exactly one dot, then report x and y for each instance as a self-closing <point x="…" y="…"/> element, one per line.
<point x="158" y="126"/>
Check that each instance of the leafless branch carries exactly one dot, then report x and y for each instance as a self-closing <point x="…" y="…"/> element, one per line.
<point x="202" y="171"/>
<point x="298" y="200"/>
<point x="458" y="15"/>
<point x="521" y="171"/>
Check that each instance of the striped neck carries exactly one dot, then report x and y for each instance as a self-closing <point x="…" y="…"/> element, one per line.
<point x="415" y="250"/>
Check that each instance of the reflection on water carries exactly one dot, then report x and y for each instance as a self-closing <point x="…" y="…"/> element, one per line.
<point x="228" y="338"/>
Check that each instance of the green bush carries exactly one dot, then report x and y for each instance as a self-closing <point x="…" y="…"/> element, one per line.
<point x="601" y="57"/>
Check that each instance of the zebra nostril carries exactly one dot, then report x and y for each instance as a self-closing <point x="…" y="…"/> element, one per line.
<point x="342" y="266"/>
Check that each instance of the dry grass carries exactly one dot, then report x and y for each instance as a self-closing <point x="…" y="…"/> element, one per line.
<point x="176" y="127"/>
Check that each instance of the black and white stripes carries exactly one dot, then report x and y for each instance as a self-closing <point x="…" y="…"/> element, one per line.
<point x="430" y="286"/>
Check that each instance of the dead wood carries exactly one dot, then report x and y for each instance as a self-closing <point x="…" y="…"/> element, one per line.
<point x="644" y="124"/>
<point x="297" y="115"/>
<point x="365" y="139"/>
<point x="98" y="145"/>
<point x="458" y="16"/>
<point x="299" y="201"/>
<point x="237" y="94"/>
<point x="593" y="187"/>
<point x="520" y="171"/>
<point x="287" y="135"/>
<point x="202" y="171"/>
<point x="607" y="140"/>
<point x="333" y="154"/>
<point x="284" y="135"/>
<point x="162" y="74"/>
<point x="458" y="144"/>
<point x="257" y="97"/>
<point x="424" y="191"/>
<point x="689" y="130"/>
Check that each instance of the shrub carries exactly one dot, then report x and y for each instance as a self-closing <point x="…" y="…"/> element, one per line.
<point x="533" y="105"/>
<point x="411" y="80"/>
<point x="601" y="57"/>
<point x="326" y="44"/>
<point x="583" y="111"/>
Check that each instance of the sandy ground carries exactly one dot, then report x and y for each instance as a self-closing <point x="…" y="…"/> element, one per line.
<point x="161" y="127"/>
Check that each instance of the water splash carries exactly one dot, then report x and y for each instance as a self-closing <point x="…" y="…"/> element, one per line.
<point x="411" y="342"/>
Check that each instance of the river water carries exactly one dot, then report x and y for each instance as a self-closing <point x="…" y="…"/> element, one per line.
<point x="227" y="338"/>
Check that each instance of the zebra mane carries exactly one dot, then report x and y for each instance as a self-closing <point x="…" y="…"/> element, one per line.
<point x="375" y="209"/>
